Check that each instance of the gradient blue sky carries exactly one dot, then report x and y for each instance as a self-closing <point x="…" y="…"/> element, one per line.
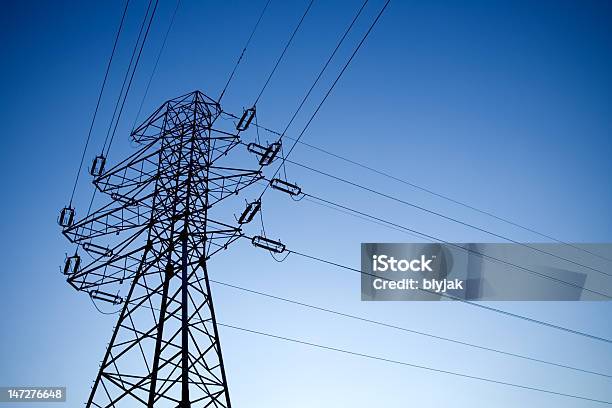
<point x="506" y="105"/>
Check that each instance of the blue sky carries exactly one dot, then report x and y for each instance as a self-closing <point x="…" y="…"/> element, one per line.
<point x="505" y="105"/>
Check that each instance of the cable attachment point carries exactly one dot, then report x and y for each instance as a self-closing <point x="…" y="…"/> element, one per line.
<point x="66" y="217"/>
<point x="269" y="244"/>
<point x="71" y="264"/>
<point x="97" y="249"/>
<point x="106" y="297"/>
<point x="266" y="154"/>
<point x="249" y="212"/>
<point x="127" y="201"/>
<point x="289" y="188"/>
<point x="97" y="166"/>
<point x="245" y="120"/>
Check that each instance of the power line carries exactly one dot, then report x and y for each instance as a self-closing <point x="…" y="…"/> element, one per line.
<point x="352" y="214"/>
<point x="380" y="221"/>
<point x="428" y="191"/>
<point x="95" y="114"/>
<point x="403" y="363"/>
<point x="479" y="305"/>
<point x="280" y="58"/>
<point x="433" y="238"/>
<point x="159" y="54"/>
<point x="430" y="212"/>
<point x="365" y="36"/>
<point x="244" y="50"/>
<point x="132" y="76"/>
<point x="91" y="201"/>
<point x="438" y="214"/>
<point x="127" y="74"/>
<point x="446" y="295"/>
<point x="373" y="221"/>
<point x="484" y="256"/>
<point x="395" y="361"/>
<point x="316" y="81"/>
<point x="404" y="329"/>
<point x="363" y="218"/>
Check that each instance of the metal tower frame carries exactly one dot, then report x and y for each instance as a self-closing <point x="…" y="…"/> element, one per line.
<point x="155" y="235"/>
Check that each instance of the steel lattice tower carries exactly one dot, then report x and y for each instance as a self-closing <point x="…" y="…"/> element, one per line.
<point x="154" y="238"/>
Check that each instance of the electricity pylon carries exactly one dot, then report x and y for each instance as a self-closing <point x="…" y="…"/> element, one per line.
<point x="154" y="237"/>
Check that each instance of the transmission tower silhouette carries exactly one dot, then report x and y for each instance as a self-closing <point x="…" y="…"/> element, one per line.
<point x="155" y="236"/>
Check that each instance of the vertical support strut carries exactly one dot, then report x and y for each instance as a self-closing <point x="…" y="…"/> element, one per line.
<point x="160" y="336"/>
<point x="185" y="403"/>
<point x="216" y="329"/>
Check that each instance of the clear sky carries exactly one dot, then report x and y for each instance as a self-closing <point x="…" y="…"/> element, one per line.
<point x="506" y="105"/>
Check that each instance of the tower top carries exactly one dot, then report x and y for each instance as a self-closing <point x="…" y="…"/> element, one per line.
<point x="194" y="107"/>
